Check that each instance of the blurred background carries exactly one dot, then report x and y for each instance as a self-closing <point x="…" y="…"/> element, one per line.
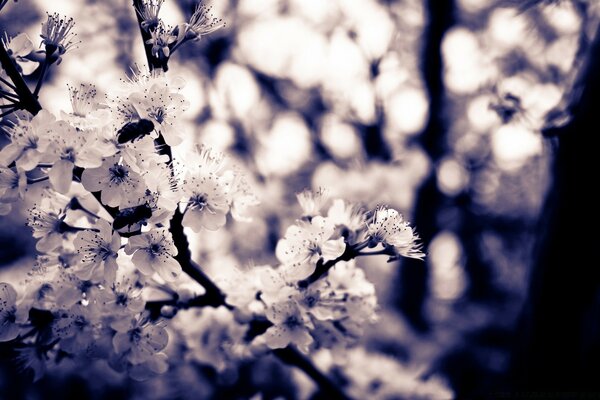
<point x="432" y="107"/>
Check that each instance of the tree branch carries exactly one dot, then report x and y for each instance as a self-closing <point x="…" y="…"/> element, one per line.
<point x="153" y="62"/>
<point x="27" y="101"/>
<point x="214" y="296"/>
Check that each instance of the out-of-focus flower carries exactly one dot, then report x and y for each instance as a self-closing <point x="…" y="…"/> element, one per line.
<point x="345" y="214"/>
<point x="57" y="36"/>
<point x="242" y="287"/>
<point x="32" y="357"/>
<point x="98" y="248"/>
<point x="47" y="220"/>
<point x="18" y="48"/>
<point x="202" y="22"/>
<point x="138" y="340"/>
<point x="9" y="327"/>
<point x="389" y="227"/>
<point x="379" y="377"/>
<point x="290" y="325"/>
<point x="12" y="187"/>
<point x="242" y="198"/>
<point x="153" y="252"/>
<point x="307" y="242"/>
<point x="150" y="368"/>
<point x="312" y="202"/>
<point x="75" y="328"/>
<point x="212" y="335"/>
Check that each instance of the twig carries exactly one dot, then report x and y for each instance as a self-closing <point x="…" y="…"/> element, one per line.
<point x="9" y="95"/>
<point x="322" y="268"/>
<point x="8" y="112"/>
<point x="38" y="86"/>
<point x="7" y="83"/>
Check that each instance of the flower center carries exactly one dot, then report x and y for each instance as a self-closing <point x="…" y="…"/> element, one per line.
<point x="159" y="115"/>
<point x="118" y="173"/>
<point x="121" y="299"/>
<point x="104" y="252"/>
<point x="155" y="249"/>
<point x="199" y="201"/>
<point x="292" y="322"/>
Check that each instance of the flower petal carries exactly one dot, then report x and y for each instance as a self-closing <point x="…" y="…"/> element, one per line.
<point x="61" y="175"/>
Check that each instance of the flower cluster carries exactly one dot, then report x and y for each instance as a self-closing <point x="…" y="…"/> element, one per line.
<point x="100" y="208"/>
<point x="163" y="39"/>
<point x="114" y="182"/>
<point x="318" y="298"/>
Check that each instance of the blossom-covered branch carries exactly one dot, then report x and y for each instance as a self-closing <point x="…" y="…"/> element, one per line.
<point x="110" y="207"/>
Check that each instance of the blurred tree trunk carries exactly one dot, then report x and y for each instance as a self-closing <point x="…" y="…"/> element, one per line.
<point x="414" y="273"/>
<point x="559" y="333"/>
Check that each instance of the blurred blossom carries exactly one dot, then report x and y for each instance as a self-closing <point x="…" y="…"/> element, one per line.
<point x="321" y="14"/>
<point x="481" y="116"/>
<point x="345" y="64"/>
<point x="285" y="148"/>
<point x="377" y="376"/>
<point x="393" y="73"/>
<point x="407" y="111"/>
<point x="513" y="144"/>
<point x="467" y="67"/>
<point x="237" y="88"/>
<point x="563" y="17"/>
<point x="562" y="53"/>
<point x="452" y="177"/>
<point x="217" y="134"/>
<point x="507" y="27"/>
<point x="295" y="51"/>
<point x="474" y="5"/>
<point x="340" y="138"/>
<point x="448" y="280"/>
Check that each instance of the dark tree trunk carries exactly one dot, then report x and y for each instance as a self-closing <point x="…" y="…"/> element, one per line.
<point x="558" y="336"/>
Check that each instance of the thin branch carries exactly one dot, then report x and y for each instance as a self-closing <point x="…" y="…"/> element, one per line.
<point x="8" y="112"/>
<point x="324" y="267"/>
<point x="38" y="86"/>
<point x="7" y="83"/>
<point x="293" y="357"/>
<point x="9" y="95"/>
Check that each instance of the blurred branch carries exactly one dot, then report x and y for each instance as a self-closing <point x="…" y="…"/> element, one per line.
<point x="414" y="273"/>
<point x="293" y="357"/>
<point x="559" y="333"/>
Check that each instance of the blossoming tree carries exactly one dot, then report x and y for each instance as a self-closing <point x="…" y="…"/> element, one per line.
<point x="115" y="181"/>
